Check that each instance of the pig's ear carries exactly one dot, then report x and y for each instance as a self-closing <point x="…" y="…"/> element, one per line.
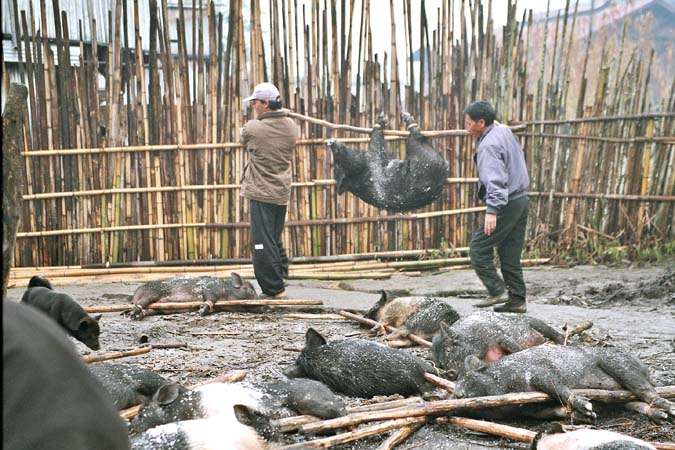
<point x="472" y="363"/>
<point x="86" y="323"/>
<point x="97" y="317"/>
<point x="237" y="282"/>
<point x="167" y="393"/>
<point x="388" y="296"/>
<point x="314" y="339"/>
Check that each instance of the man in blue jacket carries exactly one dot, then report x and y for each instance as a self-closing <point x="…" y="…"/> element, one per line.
<point x="502" y="185"/>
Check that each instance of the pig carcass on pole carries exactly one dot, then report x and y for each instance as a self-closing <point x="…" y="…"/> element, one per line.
<point x="12" y="173"/>
<point x="413" y="338"/>
<point x="387" y="183"/>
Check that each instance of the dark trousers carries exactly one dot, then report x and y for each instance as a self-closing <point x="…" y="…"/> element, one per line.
<point x="508" y="237"/>
<point x="270" y="262"/>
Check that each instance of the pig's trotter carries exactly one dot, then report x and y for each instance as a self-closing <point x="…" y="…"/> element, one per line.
<point x="383" y="120"/>
<point x="137" y="313"/>
<point x="206" y="308"/>
<point x="666" y="405"/>
<point x="582" y="405"/>
<point x="378" y="330"/>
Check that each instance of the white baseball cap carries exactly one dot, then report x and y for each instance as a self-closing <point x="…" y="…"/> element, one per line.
<point x="264" y="91"/>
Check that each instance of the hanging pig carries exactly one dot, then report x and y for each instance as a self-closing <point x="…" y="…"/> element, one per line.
<point x="393" y="184"/>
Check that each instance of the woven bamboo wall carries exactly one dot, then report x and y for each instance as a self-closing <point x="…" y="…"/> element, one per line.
<point x="159" y="179"/>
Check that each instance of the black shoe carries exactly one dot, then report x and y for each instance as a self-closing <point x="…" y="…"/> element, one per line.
<point x="512" y="306"/>
<point x="493" y="300"/>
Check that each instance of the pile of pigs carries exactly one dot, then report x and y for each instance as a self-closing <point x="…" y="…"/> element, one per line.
<point x="484" y="354"/>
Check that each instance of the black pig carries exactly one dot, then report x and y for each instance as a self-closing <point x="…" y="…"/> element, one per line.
<point x="393" y="184"/>
<point x="421" y="316"/>
<point x="127" y="384"/>
<point x="360" y="368"/>
<point x="64" y="310"/>
<point x="556" y="369"/>
<point x="488" y="336"/>
<point x="189" y="289"/>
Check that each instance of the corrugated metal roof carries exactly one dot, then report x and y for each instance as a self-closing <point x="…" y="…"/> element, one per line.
<point x="85" y="10"/>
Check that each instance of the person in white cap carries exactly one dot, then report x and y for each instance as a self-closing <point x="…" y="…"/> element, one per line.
<point x="270" y="140"/>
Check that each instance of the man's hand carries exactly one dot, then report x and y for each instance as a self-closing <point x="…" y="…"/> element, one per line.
<point x="490" y="223"/>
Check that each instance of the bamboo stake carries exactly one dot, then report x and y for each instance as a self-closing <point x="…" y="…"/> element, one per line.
<point x="399" y="436"/>
<point x="358" y="434"/>
<point x="116" y="355"/>
<point x="506" y="431"/>
<point x="448" y="406"/>
<point x="173" y="306"/>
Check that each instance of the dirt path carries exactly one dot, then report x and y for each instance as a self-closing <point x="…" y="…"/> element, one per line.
<point x="631" y="307"/>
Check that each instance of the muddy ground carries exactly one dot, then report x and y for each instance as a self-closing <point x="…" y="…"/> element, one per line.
<point x="632" y="307"/>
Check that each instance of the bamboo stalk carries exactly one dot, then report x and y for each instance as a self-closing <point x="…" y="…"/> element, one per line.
<point x="358" y="434"/>
<point x="448" y="406"/>
<point x="398" y="436"/>
<point x="116" y="355"/>
<point x="172" y="306"/>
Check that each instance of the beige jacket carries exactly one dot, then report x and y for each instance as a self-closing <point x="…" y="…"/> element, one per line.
<point x="270" y="141"/>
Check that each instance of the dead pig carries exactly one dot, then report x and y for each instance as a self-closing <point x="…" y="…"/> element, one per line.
<point x="489" y="336"/>
<point x="64" y="310"/>
<point x="305" y="396"/>
<point x="200" y="434"/>
<point x="556" y="369"/>
<point x="421" y="316"/>
<point x="127" y="384"/>
<point x="556" y="437"/>
<point x="393" y="184"/>
<point x="174" y="403"/>
<point x="190" y="289"/>
<point x="360" y="368"/>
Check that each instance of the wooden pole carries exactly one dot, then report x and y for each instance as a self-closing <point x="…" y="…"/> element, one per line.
<point x="172" y="306"/>
<point x="117" y="355"/>
<point x="448" y="406"/>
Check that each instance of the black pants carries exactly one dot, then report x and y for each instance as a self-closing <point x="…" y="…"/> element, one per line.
<point x="270" y="263"/>
<point x="508" y="237"/>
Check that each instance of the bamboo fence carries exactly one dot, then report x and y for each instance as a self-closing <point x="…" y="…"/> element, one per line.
<point x="149" y="168"/>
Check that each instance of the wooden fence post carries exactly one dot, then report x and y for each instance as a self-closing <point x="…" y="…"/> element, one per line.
<point x="12" y="173"/>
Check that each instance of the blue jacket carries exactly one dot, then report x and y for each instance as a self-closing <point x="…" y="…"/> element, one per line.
<point x="502" y="175"/>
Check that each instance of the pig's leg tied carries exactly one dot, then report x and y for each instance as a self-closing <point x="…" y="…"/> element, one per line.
<point x="565" y="395"/>
<point x="654" y="414"/>
<point x="137" y="312"/>
<point x="631" y="375"/>
<point x="206" y="308"/>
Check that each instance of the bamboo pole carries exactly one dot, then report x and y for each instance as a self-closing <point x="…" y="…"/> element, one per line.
<point x="358" y="434"/>
<point x="116" y="355"/>
<point x="448" y="406"/>
<point x="174" y="306"/>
